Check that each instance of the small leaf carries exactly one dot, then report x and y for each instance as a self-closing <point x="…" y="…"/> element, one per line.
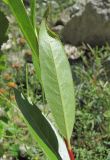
<point x="2" y="62"/>
<point x="1" y="130"/>
<point x="57" y="81"/>
<point x="40" y="127"/>
<point x="107" y="114"/>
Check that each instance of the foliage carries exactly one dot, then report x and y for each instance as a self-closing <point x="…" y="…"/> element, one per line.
<point x="3" y="28"/>
<point x="38" y="124"/>
<point x="67" y="121"/>
<point x="27" y="28"/>
<point x="58" y="85"/>
<point x="92" y="100"/>
<point x="2" y="62"/>
<point x="56" y="7"/>
<point x="3" y="38"/>
<point x="91" y="134"/>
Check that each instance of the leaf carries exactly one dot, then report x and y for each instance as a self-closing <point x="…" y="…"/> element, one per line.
<point x="39" y="126"/>
<point x="57" y="81"/>
<point x="3" y="28"/>
<point x="27" y="29"/>
<point x="2" y="62"/>
<point x="6" y="1"/>
<point x="33" y="12"/>
<point x="107" y="114"/>
<point x="1" y="130"/>
<point x="62" y="147"/>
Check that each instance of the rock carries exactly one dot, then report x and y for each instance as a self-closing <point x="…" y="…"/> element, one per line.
<point x="22" y="149"/>
<point x="87" y="21"/>
<point x="57" y="29"/>
<point x="72" y="52"/>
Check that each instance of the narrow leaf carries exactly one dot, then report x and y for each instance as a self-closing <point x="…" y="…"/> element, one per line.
<point x="26" y="27"/>
<point x="57" y="81"/>
<point x="33" y="12"/>
<point x="6" y="1"/>
<point x="40" y="127"/>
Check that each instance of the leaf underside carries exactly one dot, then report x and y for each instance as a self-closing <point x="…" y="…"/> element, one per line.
<point x="57" y="81"/>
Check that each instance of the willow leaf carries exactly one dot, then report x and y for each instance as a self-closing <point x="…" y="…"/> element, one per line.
<point x="39" y="126"/>
<point x="57" y="81"/>
<point x="27" y="29"/>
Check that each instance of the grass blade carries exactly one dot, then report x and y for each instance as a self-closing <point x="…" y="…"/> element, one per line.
<point x="33" y="12"/>
<point x="27" y="29"/>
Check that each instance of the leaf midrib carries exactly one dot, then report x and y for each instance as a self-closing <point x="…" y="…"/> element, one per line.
<point x="60" y="92"/>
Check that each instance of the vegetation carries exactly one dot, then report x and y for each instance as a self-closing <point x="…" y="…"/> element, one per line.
<point x="90" y="138"/>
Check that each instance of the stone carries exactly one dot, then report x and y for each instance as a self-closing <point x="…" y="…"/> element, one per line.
<point x="57" y="29"/>
<point x="72" y="52"/>
<point x="88" y="21"/>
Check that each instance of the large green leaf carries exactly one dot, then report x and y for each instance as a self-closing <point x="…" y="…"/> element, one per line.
<point x="3" y="28"/>
<point x="27" y="28"/>
<point x="57" y="81"/>
<point x="40" y="127"/>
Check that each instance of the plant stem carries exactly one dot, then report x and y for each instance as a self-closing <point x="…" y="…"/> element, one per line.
<point x="70" y="152"/>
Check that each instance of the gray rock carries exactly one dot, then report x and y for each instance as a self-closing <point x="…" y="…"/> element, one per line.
<point x="72" y="52"/>
<point x="87" y="21"/>
<point x="57" y="29"/>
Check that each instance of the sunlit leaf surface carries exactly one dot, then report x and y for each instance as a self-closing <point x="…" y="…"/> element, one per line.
<point x="57" y="81"/>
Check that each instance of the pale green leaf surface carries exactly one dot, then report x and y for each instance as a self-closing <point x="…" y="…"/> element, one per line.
<point x="28" y="30"/>
<point x="6" y="1"/>
<point x="57" y="81"/>
<point x="40" y="127"/>
<point x="62" y="147"/>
